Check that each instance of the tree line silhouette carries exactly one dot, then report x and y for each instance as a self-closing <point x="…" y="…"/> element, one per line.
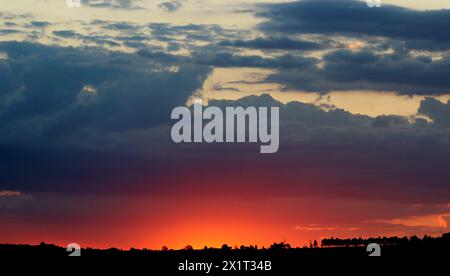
<point x="405" y="241"/>
<point x="328" y="247"/>
<point x="385" y="241"/>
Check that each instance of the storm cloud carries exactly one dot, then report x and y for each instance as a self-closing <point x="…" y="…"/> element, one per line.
<point x="52" y="92"/>
<point x="354" y="18"/>
<point x="345" y="70"/>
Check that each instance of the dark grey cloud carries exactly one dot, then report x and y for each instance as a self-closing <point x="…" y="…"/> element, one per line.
<point x="9" y="31"/>
<point x="221" y="87"/>
<point x="366" y="70"/>
<point x="49" y="92"/>
<point x="339" y="153"/>
<point x="40" y="24"/>
<point x="13" y="16"/>
<point x="135" y="44"/>
<point x="351" y="17"/>
<point x="162" y="56"/>
<point x="114" y="4"/>
<point x="390" y="121"/>
<point x="141" y="36"/>
<point x="9" y="24"/>
<point x="230" y="59"/>
<point x="171" y="6"/>
<point x="370" y="68"/>
<point x="89" y="120"/>
<point x="67" y="34"/>
<point x="275" y="43"/>
<point x="138" y="37"/>
<point x="116" y="139"/>
<point x="212" y="30"/>
<point x="128" y="39"/>
<point x="56" y="103"/>
<point x="121" y="26"/>
<point x="381" y="65"/>
<point x="437" y="111"/>
<point x="308" y="115"/>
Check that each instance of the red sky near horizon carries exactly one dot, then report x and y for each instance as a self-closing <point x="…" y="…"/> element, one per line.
<point x="176" y="221"/>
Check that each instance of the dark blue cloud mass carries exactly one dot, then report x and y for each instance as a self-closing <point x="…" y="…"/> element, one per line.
<point x="90" y="120"/>
<point x="345" y="70"/>
<point x="275" y="43"/>
<point x="351" y="17"/>
<point x="48" y="91"/>
<point x="437" y="111"/>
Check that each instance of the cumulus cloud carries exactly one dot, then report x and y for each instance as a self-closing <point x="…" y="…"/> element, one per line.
<point x="68" y="70"/>
<point x="65" y="99"/>
<point x="117" y="77"/>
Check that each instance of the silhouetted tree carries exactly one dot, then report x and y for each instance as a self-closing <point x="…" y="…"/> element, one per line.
<point x="316" y="244"/>
<point x="225" y="247"/>
<point x="280" y="246"/>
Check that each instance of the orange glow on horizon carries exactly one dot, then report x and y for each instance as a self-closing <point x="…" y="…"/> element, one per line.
<point x="177" y="221"/>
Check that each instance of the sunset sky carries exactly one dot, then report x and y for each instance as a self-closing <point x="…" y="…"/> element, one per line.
<point x="85" y="101"/>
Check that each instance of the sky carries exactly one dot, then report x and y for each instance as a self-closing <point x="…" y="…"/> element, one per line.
<point x="85" y="101"/>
